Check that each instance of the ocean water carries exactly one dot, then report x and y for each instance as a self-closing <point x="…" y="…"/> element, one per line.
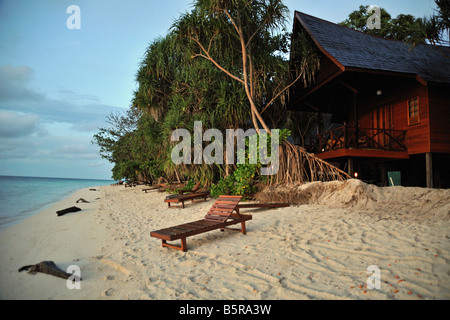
<point x="21" y="197"/>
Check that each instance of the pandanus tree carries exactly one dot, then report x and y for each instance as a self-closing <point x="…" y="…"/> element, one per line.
<point x="435" y="27"/>
<point x="245" y="39"/>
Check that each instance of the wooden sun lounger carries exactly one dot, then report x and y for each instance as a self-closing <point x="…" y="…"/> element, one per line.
<point x="219" y="216"/>
<point x="194" y="189"/>
<point x="156" y="187"/>
<point x="149" y="189"/>
<point x="181" y="198"/>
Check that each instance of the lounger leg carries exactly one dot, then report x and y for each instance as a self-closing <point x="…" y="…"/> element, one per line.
<point x="182" y="248"/>
<point x="243" y="229"/>
<point x="183" y="245"/>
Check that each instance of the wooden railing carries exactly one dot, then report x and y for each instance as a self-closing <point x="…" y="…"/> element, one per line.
<point x="346" y="137"/>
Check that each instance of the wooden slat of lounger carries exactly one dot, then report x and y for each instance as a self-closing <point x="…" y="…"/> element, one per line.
<point x="223" y="206"/>
<point x="225" y="202"/>
<point x="186" y="227"/>
<point x="174" y="230"/>
<point x="220" y="212"/>
<point x="233" y="198"/>
<point x="228" y="208"/>
<point x="203" y="223"/>
<point x="263" y="205"/>
<point x="217" y="211"/>
<point x="236" y="219"/>
<point x="216" y="218"/>
<point x="203" y="229"/>
<point x="167" y="233"/>
<point x="185" y="230"/>
<point x="192" y="226"/>
<point x="177" y="231"/>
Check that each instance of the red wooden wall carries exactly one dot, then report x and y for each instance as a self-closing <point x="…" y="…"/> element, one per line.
<point x="418" y="135"/>
<point x="439" y="99"/>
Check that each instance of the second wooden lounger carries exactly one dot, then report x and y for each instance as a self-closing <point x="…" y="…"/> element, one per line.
<point x="181" y="198"/>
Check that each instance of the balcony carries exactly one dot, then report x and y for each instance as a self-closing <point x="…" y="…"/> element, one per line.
<point x="360" y="142"/>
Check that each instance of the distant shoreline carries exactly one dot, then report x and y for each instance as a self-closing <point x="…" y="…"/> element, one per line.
<point x="23" y="196"/>
<point x="94" y="179"/>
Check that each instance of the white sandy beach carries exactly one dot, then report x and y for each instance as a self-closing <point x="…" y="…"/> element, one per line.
<point x="317" y="250"/>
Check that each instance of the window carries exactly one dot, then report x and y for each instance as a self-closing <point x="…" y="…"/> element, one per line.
<point x="413" y="111"/>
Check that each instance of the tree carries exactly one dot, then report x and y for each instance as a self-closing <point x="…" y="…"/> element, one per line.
<point x="119" y="126"/>
<point x="434" y="27"/>
<point x="404" y="27"/>
<point x="357" y="20"/>
<point x="237" y="37"/>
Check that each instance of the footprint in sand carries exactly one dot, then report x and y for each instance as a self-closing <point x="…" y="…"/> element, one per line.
<point x="109" y="292"/>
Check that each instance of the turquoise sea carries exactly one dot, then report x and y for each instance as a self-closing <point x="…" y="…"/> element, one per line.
<point x="21" y="197"/>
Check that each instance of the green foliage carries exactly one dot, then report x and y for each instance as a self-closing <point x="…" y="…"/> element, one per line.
<point x="240" y="183"/>
<point x="224" y="186"/>
<point x="404" y="27"/>
<point x="243" y="177"/>
<point x="189" y="185"/>
<point x="434" y="27"/>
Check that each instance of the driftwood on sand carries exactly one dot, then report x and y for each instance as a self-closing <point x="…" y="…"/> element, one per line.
<point x="49" y="267"/>
<point x="71" y="209"/>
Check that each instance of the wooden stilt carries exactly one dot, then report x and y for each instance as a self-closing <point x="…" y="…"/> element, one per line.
<point x="350" y="167"/>
<point x="429" y="169"/>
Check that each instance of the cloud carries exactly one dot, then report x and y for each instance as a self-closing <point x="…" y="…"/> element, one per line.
<point x="97" y="164"/>
<point x="49" y="148"/>
<point x="13" y="84"/>
<point x="73" y="96"/>
<point x="83" y="112"/>
<point x="48" y="130"/>
<point x="19" y="148"/>
<point x="80" y="117"/>
<point x="75" y="151"/>
<point x="14" y="125"/>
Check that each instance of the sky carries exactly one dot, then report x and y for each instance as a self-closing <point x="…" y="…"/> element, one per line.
<point x="58" y="83"/>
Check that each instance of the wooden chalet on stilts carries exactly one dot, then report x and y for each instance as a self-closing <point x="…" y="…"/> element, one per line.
<point x="388" y="105"/>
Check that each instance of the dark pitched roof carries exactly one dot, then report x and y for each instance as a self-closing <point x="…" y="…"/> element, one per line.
<point x="354" y="49"/>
